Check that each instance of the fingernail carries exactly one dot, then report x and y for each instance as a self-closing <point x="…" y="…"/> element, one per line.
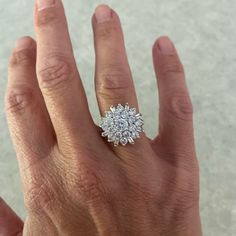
<point x="23" y="43"/>
<point x="165" y="45"/>
<point x="103" y="13"/>
<point x="42" y="4"/>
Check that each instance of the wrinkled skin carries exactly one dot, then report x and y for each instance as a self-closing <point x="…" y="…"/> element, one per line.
<point x="74" y="182"/>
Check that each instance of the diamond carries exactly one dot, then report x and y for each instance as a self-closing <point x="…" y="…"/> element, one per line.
<point x="104" y="134"/>
<point x="131" y="120"/>
<point x="131" y="140"/>
<point x="122" y="124"/>
<point x="120" y="107"/>
<point x="126" y="134"/>
<point x="111" y="138"/>
<point x="116" y="143"/>
<point x="123" y="141"/>
<point x="138" y="123"/>
<point x="132" y="111"/>
<point x="124" y="114"/>
<point x="118" y="135"/>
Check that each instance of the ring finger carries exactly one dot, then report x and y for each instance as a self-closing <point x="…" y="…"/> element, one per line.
<point x="113" y="79"/>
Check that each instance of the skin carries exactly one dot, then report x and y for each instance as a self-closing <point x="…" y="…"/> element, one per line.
<point x="74" y="181"/>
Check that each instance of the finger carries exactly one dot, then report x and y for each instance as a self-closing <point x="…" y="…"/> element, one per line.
<point x="10" y="223"/>
<point x="28" y="120"/>
<point x="175" y="127"/>
<point x="58" y="76"/>
<point x="113" y="79"/>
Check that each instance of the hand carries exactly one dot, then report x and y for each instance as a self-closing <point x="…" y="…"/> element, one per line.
<point x="74" y="182"/>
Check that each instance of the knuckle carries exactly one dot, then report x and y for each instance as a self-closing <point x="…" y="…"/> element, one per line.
<point x="18" y="99"/>
<point x="107" y="31"/>
<point x="186" y="198"/>
<point x="183" y="191"/>
<point x="89" y="185"/>
<point x="113" y="82"/>
<point x="38" y="196"/>
<point x="179" y="106"/>
<point x="25" y="57"/>
<point x="54" y="73"/>
<point x="43" y="192"/>
<point x="141" y="191"/>
<point x="171" y="64"/>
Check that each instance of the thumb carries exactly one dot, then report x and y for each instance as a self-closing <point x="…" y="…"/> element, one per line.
<point x="10" y="223"/>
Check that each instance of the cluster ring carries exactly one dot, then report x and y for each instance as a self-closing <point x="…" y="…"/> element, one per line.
<point x="122" y="125"/>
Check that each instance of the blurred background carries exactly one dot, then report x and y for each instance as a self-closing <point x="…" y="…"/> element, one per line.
<point x="204" y="32"/>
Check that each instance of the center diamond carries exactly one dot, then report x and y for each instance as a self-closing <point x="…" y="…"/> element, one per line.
<point x="122" y="124"/>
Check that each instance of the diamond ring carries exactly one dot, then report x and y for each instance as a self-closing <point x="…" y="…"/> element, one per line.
<point x="121" y="125"/>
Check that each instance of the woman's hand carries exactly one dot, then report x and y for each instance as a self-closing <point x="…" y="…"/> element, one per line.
<point x="74" y="182"/>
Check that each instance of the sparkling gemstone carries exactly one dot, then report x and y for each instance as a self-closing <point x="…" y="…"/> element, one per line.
<point x="122" y="124"/>
<point x="108" y="114"/>
<point x="111" y="138"/>
<point x="126" y="134"/>
<point x="127" y="107"/>
<point x="124" y="114"/>
<point x="104" y="134"/>
<point x="123" y="141"/>
<point x="112" y="109"/>
<point x="132" y="128"/>
<point x="118" y="135"/>
<point x="133" y="135"/>
<point x="131" y="120"/>
<point x="116" y="143"/>
<point x="132" y="111"/>
<point x="139" y="129"/>
<point x="138" y="123"/>
<point x="131" y="140"/>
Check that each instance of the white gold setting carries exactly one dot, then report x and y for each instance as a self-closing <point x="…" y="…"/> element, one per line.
<point x="122" y="125"/>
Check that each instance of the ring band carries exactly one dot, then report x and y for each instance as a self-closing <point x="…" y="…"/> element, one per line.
<point x="122" y="125"/>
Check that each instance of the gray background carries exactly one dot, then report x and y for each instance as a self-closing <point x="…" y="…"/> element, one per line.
<point x="204" y="32"/>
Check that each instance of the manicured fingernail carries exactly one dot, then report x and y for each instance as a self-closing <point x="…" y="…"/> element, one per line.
<point x="103" y="13"/>
<point x="23" y="43"/>
<point x="165" y="45"/>
<point x="42" y="4"/>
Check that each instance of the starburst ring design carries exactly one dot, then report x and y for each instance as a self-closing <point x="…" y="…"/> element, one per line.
<point x="122" y="125"/>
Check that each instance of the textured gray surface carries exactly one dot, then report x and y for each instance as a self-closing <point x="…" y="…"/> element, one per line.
<point x="204" y="32"/>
